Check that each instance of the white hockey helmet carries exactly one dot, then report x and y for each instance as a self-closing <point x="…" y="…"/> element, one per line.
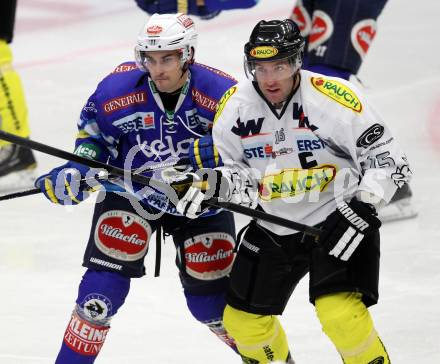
<point x="165" y="32"/>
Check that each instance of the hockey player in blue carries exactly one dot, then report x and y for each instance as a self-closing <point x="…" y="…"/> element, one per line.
<point x="205" y="9"/>
<point x="144" y="113"/>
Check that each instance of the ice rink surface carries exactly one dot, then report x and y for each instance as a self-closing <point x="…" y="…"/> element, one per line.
<point x="63" y="48"/>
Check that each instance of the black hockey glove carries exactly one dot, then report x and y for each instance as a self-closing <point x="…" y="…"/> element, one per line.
<point x="346" y="227"/>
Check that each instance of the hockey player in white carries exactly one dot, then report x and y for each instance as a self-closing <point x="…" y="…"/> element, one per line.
<point x="309" y="148"/>
<point x="338" y="36"/>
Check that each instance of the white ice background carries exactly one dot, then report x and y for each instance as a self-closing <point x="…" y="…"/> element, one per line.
<point x="63" y="48"/>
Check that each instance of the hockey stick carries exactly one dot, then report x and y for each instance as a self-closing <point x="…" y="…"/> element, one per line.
<point x="147" y="181"/>
<point x="11" y="196"/>
<point x="35" y="191"/>
<point x="152" y="168"/>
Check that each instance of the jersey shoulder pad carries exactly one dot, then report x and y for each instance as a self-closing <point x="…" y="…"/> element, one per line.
<point x="211" y="81"/>
<point x="124" y="78"/>
<point x="208" y="71"/>
<point x="335" y="89"/>
<point x="224" y="100"/>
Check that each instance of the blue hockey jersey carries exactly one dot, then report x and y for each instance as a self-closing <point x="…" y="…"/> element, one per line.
<point x="125" y="124"/>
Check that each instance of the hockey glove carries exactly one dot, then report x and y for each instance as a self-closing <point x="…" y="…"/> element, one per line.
<point x="63" y="185"/>
<point x="204" y="154"/>
<point x="223" y="183"/>
<point x="182" y="180"/>
<point x="346" y="227"/>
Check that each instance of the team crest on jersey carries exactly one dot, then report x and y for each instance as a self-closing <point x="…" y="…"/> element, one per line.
<point x="301" y="17"/>
<point x="122" y="235"/>
<point x="322" y="29"/>
<point x="296" y="181"/>
<point x="223" y="101"/>
<point x="362" y="35"/>
<point x="338" y="92"/>
<point x="209" y="256"/>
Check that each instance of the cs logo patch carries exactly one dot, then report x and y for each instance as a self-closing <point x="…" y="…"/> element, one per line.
<point x="370" y="136"/>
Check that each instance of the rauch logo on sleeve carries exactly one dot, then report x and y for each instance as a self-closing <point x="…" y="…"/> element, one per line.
<point x="337" y="92"/>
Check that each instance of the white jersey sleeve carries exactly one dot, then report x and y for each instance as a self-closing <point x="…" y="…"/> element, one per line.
<point x="359" y="132"/>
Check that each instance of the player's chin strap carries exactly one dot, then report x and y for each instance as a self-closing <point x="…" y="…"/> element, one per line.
<point x="168" y="190"/>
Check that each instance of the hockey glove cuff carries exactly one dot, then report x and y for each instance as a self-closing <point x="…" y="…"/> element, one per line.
<point x="203" y="153"/>
<point x="346" y="227"/>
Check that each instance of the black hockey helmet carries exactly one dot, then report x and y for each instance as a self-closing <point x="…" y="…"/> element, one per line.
<point x="274" y="40"/>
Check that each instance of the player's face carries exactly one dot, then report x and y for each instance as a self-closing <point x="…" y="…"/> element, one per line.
<point x="274" y="79"/>
<point x="165" y="70"/>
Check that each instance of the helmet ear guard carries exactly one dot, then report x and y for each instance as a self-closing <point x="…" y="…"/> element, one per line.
<point x="274" y="40"/>
<point x="166" y="32"/>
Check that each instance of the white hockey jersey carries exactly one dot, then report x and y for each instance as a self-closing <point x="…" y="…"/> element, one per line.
<point x="326" y="144"/>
